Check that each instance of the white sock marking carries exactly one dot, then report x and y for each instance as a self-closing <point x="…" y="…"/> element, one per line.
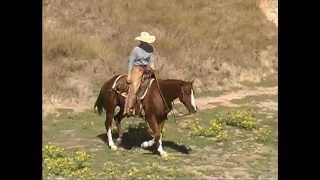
<point x="147" y="143"/>
<point x="193" y="102"/>
<point x="160" y="149"/>
<point x="110" y="141"/>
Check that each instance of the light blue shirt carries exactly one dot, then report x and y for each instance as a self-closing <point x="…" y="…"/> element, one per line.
<point x="139" y="56"/>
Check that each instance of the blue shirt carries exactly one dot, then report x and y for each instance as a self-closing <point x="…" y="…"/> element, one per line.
<point x="139" y="56"/>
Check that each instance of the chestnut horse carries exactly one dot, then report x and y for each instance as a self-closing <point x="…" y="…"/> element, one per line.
<point x="155" y="108"/>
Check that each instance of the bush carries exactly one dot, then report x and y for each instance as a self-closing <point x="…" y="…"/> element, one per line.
<point x="214" y="130"/>
<point x="242" y="119"/>
<point x="58" y="162"/>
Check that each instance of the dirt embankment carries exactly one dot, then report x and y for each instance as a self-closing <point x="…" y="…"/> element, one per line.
<point x="270" y="9"/>
<point x="219" y="44"/>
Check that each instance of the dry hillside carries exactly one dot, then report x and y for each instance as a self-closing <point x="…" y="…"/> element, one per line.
<point x="216" y="42"/>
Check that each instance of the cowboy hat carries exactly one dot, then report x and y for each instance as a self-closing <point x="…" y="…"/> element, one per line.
<point x="146" y="37"/>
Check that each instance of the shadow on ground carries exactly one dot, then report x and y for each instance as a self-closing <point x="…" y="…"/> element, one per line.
<point x="134" y="137"/>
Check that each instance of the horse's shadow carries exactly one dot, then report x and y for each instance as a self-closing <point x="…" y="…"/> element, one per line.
<point x="134" y="137"/>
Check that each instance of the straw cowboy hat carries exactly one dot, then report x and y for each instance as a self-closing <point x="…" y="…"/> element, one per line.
<point x="146" y="37"/>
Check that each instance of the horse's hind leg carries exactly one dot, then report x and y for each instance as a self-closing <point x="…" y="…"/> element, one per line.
<point x="108" y="124"/>
<point x="118" y="119"/>
<point x="111" y="104"/>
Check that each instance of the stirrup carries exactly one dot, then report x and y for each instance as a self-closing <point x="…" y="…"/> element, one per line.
<point x="129" y="113"/>
<point x="124" y="94"/>
<point x="132" y="112"/>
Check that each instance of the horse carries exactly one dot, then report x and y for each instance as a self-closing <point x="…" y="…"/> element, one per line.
<point x="156" y="106"/>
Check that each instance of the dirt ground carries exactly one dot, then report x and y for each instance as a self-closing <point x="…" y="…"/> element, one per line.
<point x="205" y="102"/>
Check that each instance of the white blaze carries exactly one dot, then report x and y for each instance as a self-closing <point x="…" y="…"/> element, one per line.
<point x="193" y="102"/>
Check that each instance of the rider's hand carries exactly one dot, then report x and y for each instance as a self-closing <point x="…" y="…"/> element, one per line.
<point x="129" y="80"/>
<point x="156" y="72"/>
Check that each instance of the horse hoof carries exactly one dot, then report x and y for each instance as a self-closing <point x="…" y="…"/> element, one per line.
<point x="119" y="140"/>
<point x="116" y="110"/>
<point x="114" y="148"/>
<point x="145" y="144"/>
<point x="164" y="154"/>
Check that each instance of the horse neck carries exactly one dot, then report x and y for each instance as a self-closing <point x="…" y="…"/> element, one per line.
<point x="170" y="91"/>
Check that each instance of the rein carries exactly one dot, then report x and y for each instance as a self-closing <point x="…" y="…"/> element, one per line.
<point x="164" y="100"/>
<point x="174" y="116"/>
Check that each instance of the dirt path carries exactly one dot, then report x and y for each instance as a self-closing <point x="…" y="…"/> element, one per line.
<point x="225" y="99"/>
<point x="209" y="102"/>
<point x="202" y="102"/>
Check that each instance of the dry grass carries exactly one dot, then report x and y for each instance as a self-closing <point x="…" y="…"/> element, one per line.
<point x="218" y="42"/>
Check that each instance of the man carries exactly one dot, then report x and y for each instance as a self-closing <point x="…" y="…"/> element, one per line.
<point x="141" y="58"/>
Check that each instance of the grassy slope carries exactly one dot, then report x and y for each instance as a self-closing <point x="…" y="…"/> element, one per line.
<point x="215" y="41"/>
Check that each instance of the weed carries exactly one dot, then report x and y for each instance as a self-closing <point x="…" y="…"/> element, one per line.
<point x="240" y="118"/>
<point x="111" y="170"/>
<point x="58" y="162"/>
<point x="214" y="130"/>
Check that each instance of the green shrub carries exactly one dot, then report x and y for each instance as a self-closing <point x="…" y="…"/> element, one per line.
<point x="242" y="119"/>
<point x="214" y="130"/>
<point x="58" y="162"/>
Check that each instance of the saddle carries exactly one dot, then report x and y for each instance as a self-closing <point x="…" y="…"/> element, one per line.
<point x="122" y="88"/>
<point x="146" y="80"/>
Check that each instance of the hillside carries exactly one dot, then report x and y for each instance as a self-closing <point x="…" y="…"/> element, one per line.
<point x="220" y="44"/>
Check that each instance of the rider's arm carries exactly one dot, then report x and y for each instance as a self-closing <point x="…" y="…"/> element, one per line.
<point x="152" y="62"/>
<point x="131" y="60"/>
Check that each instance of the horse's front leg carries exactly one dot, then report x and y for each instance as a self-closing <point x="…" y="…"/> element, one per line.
<point x="161" y="126"/>
<point x="158" y="139"/>
<point x="156" y="128"/>
<point x="149" y="143"/>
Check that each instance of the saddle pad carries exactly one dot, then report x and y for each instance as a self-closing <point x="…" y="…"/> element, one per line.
<point x="115" y="82"/>
<point x="141" y="89"/>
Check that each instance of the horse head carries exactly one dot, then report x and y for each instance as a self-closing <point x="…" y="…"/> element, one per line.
<point x="187" y="96"/>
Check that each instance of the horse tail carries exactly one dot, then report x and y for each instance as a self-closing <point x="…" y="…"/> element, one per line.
<point x="99" y="104"/>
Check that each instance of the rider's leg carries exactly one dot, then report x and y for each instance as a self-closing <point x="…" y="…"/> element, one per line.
<point x="136" y="74"/>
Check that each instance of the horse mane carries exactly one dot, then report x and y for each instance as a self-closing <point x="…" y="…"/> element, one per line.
<point x="173" y="81"/>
